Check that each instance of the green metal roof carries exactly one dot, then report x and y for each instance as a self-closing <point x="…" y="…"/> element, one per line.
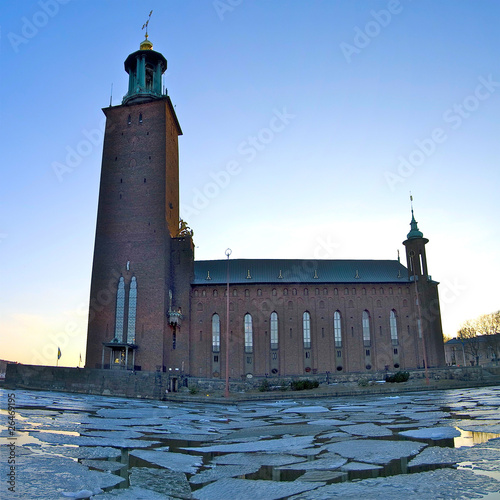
<point x="212" y="272"/>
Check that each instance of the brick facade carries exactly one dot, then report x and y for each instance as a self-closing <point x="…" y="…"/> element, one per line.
<point x="150" y="311"/>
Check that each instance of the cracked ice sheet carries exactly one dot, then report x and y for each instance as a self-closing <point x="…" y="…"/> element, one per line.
<point x="273" y="459"/>
<point x="329" y="461"/>
<point x="306" y="409"/>
<point x="161" y="481"/>
<point x="223" y="471"/>
<point x="132" y="493"/>
<point x="65" y="476"/>
<point x="244" y="489"/>
<point x="48" y="437"/>
<point x="283" y="445"/>
<point x="434" y="433"/>
<point x="375" y="451"/>
<point x="481" y="455"/>
<point x="275" y="430"/>
<point x="176" y="462"/>
<point x="369" y="430"/>
<point x="442" y="483"/>
<point x="79" y="452"/>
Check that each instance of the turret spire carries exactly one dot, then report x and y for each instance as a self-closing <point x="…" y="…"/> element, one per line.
<point x="414" y="231"/>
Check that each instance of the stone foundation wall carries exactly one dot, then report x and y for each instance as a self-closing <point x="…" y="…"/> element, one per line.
<point x="157" y="385"/>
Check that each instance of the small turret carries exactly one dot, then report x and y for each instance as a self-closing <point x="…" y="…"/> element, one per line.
<point x="415" y="250"/>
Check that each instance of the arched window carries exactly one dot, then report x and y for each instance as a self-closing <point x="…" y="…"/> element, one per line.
<point x="394" y="327"/>
<point x="366" y="329"/>
<point x="306" y="329"/>
<point x="274" y="330"/>
<point x="132" y="308"/>
<point x="215" y="333"/>
<point x="337" y="329"/>
<point x="120" y="309"/>
<point x="140" y="117"/>
<point x="248" y="333"/>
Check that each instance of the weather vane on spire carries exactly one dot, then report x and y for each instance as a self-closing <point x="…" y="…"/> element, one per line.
<point x="145" y="25"/>
<point x="411" y="201"/>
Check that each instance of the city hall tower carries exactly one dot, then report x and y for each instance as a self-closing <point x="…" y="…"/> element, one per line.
<point x="137" y="295"/>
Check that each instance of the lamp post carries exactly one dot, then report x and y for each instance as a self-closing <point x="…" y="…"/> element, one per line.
<point x="226" y="392"/>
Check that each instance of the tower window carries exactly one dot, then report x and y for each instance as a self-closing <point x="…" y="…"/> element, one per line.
<point x="274" y="330"/>
<point x="394" y="327"/>
<point x="366" y="329"/>
<point x="129" y="120"/>
<point x="215" y="333"/>
<point x="248" y="333"/>
<point x="132" y="308"/>
<point x="140" y="117"/>
<point x="337" y="329"/>
<point x="306" y="329"/>
<point x="120" y="309"/>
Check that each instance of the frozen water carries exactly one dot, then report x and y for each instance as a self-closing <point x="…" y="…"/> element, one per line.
<point x="222" y="471"/>
<point x="434" y="433"/>
<point x="47" y="477"/>
<point x="329" y="461"/>
<point x="360" y="466"/>
<point x="438" y="484"/>
<point x="369" y="430"/>
<point x="132" y="493"/>
<point x="310" y="441"/>
<point x="285" y="444"/>
<point x="48" y="437"/>
<point x="377" y="452"/>
<point x="306" y="409"/>
<point x="245" y="489"/>
<point x="161" y="481"/>
<point x="176" y="462"/>
<point x="257" y="459"/>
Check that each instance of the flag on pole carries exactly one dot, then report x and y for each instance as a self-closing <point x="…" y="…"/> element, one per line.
<point x="58" y="353"/>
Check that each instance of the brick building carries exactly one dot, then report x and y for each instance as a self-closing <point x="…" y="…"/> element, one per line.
<point x="154" y="308"/>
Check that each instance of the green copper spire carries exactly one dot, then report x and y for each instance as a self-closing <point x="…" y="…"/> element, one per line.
<point x="414" y="231"/>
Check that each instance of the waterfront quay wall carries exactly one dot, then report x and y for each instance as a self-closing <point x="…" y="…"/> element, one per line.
<point x="159" y="385"/>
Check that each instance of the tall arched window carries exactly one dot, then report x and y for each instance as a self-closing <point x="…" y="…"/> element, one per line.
<point x="274" y="330"/>
<point x="248" y="333"/>
<point x="132" y="308"/>
<point x="120" y="309"/>
<point x="337" y="329"/>
<point x="366" y="329"/>
<point x="394" y="327"/>
<point x="306" y="329"/>
<point x="215" y="333"/>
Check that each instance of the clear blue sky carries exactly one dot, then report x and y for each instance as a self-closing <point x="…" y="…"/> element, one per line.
<point x="326" y="113"/>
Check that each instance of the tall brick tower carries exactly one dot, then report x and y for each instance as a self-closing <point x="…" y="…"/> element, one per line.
<point x="142" y="265"/>
<point x="425" y="307"/>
